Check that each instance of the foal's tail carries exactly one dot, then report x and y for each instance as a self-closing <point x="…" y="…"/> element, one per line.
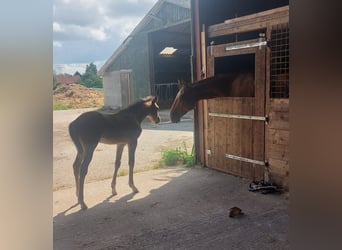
<point x="74" y="136"/>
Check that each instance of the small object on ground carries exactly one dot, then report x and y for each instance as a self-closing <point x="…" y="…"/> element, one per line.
<point x="235" y="211"/>
<point x="264" y="187"/>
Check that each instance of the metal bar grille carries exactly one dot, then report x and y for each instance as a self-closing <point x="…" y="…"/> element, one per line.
<point x="166" y="92"/>
<point x="279" y="45"/>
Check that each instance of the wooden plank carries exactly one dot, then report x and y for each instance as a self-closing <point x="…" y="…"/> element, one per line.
<point x="259" y="110"/>
<point x="280" y="137"/>
<point x="205" y="127"/>
<point x="280" y="105"/>
<point x="279" y="167"/>
<point x="207" y="123"/>
<point x="250" y="22"/>
<point x="203" y="52"/>
<point x="209" y="136"/>
<point x="267" y="99"/>
<point x="279" y="120"/>
<point x="246" y="148"/>
<point x="279" y="152"/>
<point x="220" y="130"/>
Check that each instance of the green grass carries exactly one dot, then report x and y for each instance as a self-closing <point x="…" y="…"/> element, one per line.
<point x="180" y="155"/>
<point x="58" y="106"/>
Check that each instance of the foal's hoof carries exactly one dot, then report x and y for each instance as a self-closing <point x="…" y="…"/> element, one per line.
<point x="114" y="192"/>
<point x="83" y="206"/>
<point x="135" y="190"/>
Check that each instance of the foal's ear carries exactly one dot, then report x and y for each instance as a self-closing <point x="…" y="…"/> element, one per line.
<point x="181" y="83"/>
<point x="155" y="99"/>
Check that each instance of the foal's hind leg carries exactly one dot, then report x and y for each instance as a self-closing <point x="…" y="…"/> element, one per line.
<point x="88" y="155"/>
<point x="77" y="165"/>
<point x="119" y="149"/>
<point x="131" y="155"/>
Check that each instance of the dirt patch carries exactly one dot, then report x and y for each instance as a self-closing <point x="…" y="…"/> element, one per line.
<point x="78" y="96"/>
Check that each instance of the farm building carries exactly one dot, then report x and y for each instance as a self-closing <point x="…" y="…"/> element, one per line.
<point x="249" y="136"/>
<point x="152" y="58"/>
<point x="67" y="79"/>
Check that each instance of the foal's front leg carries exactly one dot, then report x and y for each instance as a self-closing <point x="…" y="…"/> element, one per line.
<point x="119" y="149"/>
<point x="131" y="155"/>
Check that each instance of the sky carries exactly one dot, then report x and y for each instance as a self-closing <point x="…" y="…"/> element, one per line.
<point x="86" y="31"/>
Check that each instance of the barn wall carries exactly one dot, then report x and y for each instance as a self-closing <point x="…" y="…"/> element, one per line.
<point x="112" y="89"/>
<point x="278" y="141"/>
<point x="136" y="56"/>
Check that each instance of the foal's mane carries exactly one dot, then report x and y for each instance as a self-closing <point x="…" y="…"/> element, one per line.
<point x="137" y="105"/>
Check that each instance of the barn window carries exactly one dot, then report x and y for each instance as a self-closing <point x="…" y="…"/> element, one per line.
<point x="279" y="75"/>
<point x="168" y="51"/>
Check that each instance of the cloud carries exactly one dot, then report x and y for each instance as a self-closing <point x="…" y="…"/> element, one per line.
<point x="83" y="25"/>
<point x="57" y="44"/>
<point x="96" y="18"/>
<point x="77" y="33"/>
<point x="57" y="27"/>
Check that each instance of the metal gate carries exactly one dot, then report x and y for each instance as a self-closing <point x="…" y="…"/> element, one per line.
<point x="234" y="127"/>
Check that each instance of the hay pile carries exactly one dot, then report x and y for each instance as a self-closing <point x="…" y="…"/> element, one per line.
<point x="78" y="96"/>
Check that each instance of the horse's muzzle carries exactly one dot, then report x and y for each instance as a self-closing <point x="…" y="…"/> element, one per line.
<point x="175" y="119"/>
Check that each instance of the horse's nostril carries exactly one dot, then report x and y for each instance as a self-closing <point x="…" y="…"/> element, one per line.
<point x="175" y="120"/>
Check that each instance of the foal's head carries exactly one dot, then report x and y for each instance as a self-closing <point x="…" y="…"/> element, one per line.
<point x="183" y="102"/>
<point x="152" y="107"/>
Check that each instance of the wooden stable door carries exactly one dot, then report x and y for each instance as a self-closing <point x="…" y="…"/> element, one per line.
<point x="234" y="127"/>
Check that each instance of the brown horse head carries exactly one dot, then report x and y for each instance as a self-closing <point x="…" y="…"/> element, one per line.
<point x="152" y="108"/>
<point x="225" y="85"/>
<point x="183" y="102"/>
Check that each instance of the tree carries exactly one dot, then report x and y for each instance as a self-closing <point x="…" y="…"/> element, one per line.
<point x="90" y="78"/>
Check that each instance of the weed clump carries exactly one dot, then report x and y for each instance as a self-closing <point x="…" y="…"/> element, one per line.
<point x="180" y="155"/>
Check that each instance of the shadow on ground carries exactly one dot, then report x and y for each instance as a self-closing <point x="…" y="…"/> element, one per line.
<point x="182" y="209"/>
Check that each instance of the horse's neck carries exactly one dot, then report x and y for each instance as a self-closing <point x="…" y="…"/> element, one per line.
<point x="210" y="90"/>
<point x="136" y="112"/>
<point x="241" y="85"/>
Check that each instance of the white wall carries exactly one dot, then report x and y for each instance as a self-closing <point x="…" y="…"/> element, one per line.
<point x="112" y="89"/>
<point x="115" y="90"/>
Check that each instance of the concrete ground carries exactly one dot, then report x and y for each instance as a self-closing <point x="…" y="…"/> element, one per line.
<point x="176" y="208"/>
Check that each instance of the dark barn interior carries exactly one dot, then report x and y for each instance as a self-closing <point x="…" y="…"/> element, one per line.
<point x="235" y="64"/>
<point x="167" y="68"/>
